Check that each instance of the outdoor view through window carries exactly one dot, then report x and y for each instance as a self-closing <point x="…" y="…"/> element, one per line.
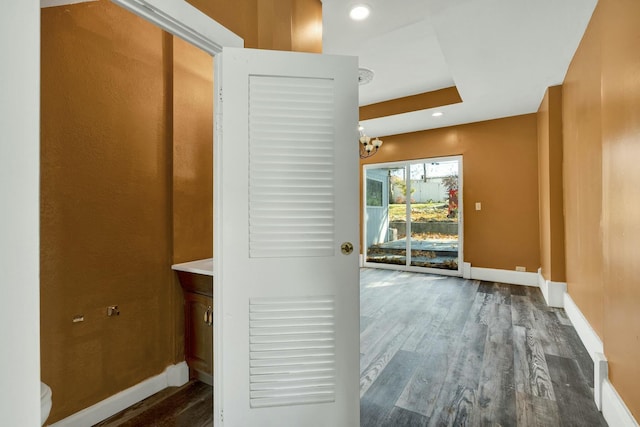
<point x="418" y="199"/>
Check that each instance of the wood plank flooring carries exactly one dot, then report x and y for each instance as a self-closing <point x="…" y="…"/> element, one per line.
<point x="188" y="406"/>
<point x="442" y="351"/>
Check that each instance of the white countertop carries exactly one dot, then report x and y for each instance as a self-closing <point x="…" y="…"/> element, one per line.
<point x="201" y="266"/>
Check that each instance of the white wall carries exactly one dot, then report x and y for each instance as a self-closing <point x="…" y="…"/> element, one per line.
<point x="424" y="191"/>
<point x="19" y="213"/>
<point x="377" y="218"/>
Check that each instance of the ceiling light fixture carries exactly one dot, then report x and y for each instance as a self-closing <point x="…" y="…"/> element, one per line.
<point x="368" y="146"/>
<point x="365" y="75"/>
<point x="359" y="12"/>
<point x="437" y="114"/>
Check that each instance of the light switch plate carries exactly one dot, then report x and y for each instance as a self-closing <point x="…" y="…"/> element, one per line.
<point x="478" y="206"/>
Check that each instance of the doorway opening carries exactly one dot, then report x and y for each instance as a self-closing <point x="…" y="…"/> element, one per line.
<point x="413" y="215"/>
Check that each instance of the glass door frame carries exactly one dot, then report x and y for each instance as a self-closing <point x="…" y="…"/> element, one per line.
<point x="408" y="267"/>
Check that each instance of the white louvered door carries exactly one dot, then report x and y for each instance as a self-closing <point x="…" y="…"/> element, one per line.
<point x="286" y="198"/>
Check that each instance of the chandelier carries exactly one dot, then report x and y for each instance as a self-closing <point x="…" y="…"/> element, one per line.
<point x="368" y="146"/>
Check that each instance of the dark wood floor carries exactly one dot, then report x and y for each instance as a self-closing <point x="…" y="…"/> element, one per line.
<point x="440" y="351"/>
<point x="188" y="406"/>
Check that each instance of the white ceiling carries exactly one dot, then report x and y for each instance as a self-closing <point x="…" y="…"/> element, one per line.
<point x="500" y="54"/>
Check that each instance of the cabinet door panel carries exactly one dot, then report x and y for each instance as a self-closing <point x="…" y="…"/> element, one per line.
<point x="199" y="333"/>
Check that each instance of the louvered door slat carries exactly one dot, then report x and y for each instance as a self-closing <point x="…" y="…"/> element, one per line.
<point x="291" y="161"/>
<point x="292" y="350"/>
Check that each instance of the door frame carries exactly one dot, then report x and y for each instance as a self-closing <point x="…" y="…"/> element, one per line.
<point x="185" y="21"/>
<point x="190" y="24"/>
<point x="405" y="163"/>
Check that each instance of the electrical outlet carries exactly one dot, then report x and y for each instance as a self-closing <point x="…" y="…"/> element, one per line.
<point x="519" y="268"/>
<point x="478" y="206"/>
<point x="112" y="310"/>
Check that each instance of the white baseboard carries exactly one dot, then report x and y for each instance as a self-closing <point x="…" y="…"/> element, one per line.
<point x="600" y="374"/>
<point x="589" y="338"/>
<point x="466" y="270"/>
<point x="177" y="375"/>
<point x="540" y="278"/>
<point x="553" y="292"/>
<point x="614" y="410"/>
<point x="607" y="399"/>
<point x="174" y="375"/>
<point x="504" y="276"/>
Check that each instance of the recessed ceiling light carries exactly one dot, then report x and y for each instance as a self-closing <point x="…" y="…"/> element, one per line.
<point x="437" y="114"/>
<point x="359" y="12"/>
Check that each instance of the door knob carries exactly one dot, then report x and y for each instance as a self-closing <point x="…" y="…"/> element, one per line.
<point x="346" y="248"/>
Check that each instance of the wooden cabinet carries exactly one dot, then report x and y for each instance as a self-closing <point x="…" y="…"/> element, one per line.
<point x="199" y="336"/>
<point x="198" y="320"/>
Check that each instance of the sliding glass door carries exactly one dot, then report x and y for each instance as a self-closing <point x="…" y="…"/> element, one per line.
<point x="413" y="215"/>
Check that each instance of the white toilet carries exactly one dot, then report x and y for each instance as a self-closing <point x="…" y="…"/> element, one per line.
<point x="45" y="402"/>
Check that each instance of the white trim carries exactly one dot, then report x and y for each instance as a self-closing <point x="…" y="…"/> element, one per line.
<point x="185" y="21"/>
<point x="606" y="397"/>
<point x="504" y="276"/>
<point x="614" y="409"/>
<point x="600" y="374"/>
<point x="53" y="3"/>
<point x="19" y="216"/>
<point x="541" y="281"/>
<point x="218" y="420"/>
<point x="553" y="292"/>
<point x="177" y="375"/>
<point x="466" y="270"/>
<point x="173" y="376"/>
<point x="587" y="335"/>
<point x="412" y="269"/>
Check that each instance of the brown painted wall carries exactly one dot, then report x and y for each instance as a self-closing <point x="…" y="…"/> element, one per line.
<point x="240" y="16"/>
<point x="192" y="153"/>
<point x="500" y="170"/>
<point x="421" y="101"/>
<point x="105" y="208"/>
<point x="306" y="26"/>
<point x="274" y="24"/>
<point x="270" y="24"/>
<point x="126" y="190"/>
<point x="583" y="177"/>
<point x="602" y="187"/>
<point x="621" y="194"/>
<point x="544" y="217"/>
<point x="551" y="216"/>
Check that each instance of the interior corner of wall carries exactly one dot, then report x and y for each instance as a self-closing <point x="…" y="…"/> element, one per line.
<point x="553" y="292"/>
